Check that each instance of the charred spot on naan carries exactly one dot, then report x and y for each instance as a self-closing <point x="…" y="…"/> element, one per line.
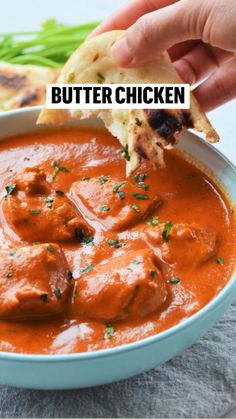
<point x="143" y="133"/>
<point x="23" y="85"/>
<point x="168" y="124"/>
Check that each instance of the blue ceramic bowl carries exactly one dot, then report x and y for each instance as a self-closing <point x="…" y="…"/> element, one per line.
<point x="104" y="366"/>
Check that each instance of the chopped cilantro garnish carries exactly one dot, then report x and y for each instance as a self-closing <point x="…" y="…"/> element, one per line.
<point x="87" y="269"/>
<point x="135" y="207"/>
<point x="174" y="280"/>
<point x="44" y="297"/>
<point x="104" y="208"/>
<point x="83" y="238"/>
<point x="13" y="252"/>
<point x="118" y="186"/>
<point x="125" y="152"/>
<point x="140" y="196"/>
<point x="57" y="293"/>
<point x="86" y="178"/>
<point x="49" y="202"/>
<point x="154" y="222"/>
<point x="115" y="243"/>
<point x="136" y="262"/>
<point x="100" y="77"/>
<point x="58" y="168"/>
<point x="35" y="211"/>
<point x="220" y="261"/>
<point x="121" y="194"/>
<point x="109" y="331"/>
<point x="9" y="274"/>
<point x="140" y="177"/>
<point x="102" y="180"/>
<point x="50" y="248"/>
<point x="153" y="272"/>
<point x="142" y="186"/>
<point x="9" y="189"/>
<point x="138" y="286"/>
<point x="165" y="233"/>
<point x="59" y="192"/>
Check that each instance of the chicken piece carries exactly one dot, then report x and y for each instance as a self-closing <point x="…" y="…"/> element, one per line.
<point x="37" y="212"/>
<point x="34" y="281"/>
<point x="127" y="286"/>
<point x="112" y="203"/>
<point x="185" y="245"/>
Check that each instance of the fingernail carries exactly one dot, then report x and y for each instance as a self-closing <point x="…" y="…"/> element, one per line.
<point x="121" y="52"/>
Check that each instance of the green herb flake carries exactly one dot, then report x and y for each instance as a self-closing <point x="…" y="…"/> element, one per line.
<point x="165" y="233"/>
<point x="9" y="274"/>
<point x="49" y="202"/>
<point x="136" y="262"/>
<point x="102" y="180"/>
<point x="13" y="252"/>
<point x="142" y="186"/>
<point x="58" y="168"/>
<point x="115" y="243"/>
<point x="50" y="248"/>
<point x="118" y="186"/>
<point x="83" y="238"/>
<point x="59" y="192"/>
<point x="87" y="269"/>
<point x="86" y="178"/>
<point x="174" y="280"/>
<point x="220" y="261"/>
<point x="9" y="190"/>
<point x="153" y="272"/>
<point x="121" y="194"/>
<point x="35" y="211"/>
<point x="140" y="177"/>
<point x="104" y="208"/>
<point x="57" y="293"/>
<point x="154" y="222"/>
<point x="44" y="297"/>
<point x="109" y="331"/>
<point x="138" y="286"/>
<point x="135" y="207"/>
<point x="125" y="153"/>
<point x="100" y="77"/>
<point x="36" y="243"/>
<point x="140" y="196"/>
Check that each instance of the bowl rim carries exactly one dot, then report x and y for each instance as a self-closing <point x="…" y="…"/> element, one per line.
<point x="218" y="300"/>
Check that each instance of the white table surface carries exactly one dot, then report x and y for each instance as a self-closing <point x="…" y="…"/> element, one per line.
<point x="29" y="14"/>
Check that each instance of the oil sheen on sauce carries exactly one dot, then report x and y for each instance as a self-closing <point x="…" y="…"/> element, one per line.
<point x="188" y="196"/>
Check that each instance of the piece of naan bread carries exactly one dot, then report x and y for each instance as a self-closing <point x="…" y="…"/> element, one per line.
<point x="142" y="133"/>
<point x="24" y="85"/>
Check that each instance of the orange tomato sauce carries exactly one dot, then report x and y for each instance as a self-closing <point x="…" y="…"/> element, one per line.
<point x="187" y="196"/>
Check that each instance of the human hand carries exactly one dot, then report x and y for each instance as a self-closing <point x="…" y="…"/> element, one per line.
<point x="199" y="35"/>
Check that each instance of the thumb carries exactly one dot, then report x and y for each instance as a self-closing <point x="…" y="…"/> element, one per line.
<point x="157" y="31"/>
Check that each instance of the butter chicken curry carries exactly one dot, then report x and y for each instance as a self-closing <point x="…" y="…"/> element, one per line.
<point x="91" y="259"/>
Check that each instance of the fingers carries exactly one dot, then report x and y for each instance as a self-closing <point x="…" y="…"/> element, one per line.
<point x="219" y="88"/>
<point x="129" y="13"/>
<point x="158" y="31"/>
<point x="179" y="50"/>
<point x="200" y="62"/>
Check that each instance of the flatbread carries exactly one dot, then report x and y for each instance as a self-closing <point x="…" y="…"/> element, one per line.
<point x="143" y="133"/>
<point x="24" y="85"/>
